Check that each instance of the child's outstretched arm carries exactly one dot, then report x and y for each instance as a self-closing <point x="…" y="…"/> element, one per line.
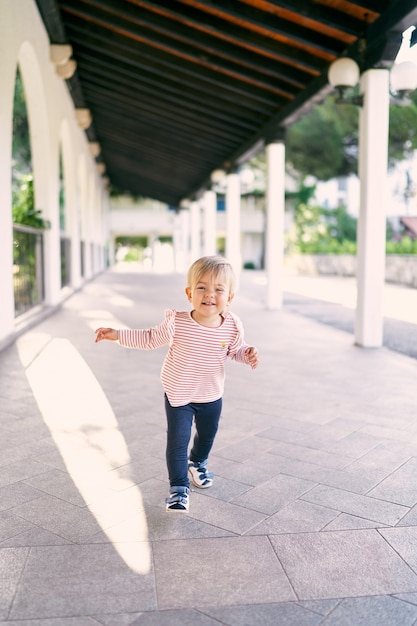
<point x="107" y="333"/>
<point x="252" y="356"/>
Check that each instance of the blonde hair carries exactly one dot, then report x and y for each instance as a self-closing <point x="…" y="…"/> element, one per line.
<point x="216" y="265"/>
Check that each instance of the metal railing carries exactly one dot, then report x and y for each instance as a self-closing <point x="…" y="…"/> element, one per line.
<point x="28" y="268"/>
<point x="65" y="261"/>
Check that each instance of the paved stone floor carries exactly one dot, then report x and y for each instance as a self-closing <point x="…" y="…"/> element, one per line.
<point x="312" y="519"/>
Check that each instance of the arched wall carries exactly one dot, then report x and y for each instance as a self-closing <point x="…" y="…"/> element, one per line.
<point x="52" y="123"/>
<point x="8" y="61"/>
<point x="44" y="157"/>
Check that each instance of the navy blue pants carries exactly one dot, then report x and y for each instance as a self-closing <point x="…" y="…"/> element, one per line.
<point x="180" y="421"/>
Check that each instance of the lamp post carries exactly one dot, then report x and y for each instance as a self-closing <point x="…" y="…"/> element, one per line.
<point x="374" y="101"/>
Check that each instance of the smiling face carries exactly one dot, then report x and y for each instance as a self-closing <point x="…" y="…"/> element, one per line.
<point x="209" y="295"/>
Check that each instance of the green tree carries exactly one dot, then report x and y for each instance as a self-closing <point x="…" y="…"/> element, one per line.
<point x="341" y="225"/>
<point x="21" y="153"/>
<point x="324" y="143"/>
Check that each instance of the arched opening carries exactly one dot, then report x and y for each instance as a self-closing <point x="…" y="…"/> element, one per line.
<point x="65" y="240"/>
<point x="28" y="224"/>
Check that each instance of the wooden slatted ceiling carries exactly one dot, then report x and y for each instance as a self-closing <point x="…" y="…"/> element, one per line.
<point x="178" y="88"/>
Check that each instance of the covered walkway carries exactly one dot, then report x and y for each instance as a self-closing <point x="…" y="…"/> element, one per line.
<point x="312" y="516"/>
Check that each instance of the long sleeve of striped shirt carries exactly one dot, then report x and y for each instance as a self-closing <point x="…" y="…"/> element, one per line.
<point x="194" y="367"/>
<point x="149" y="338"/>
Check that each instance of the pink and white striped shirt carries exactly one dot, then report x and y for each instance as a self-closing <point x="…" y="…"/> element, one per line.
<point x="194" y="367"/>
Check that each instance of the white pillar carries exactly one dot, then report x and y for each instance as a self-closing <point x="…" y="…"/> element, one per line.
<point x="210" y="208"/>
<point x="274" y="231"/>
<point x="7" y="78"/>
<point x="195" y="231"/>
<point x="233" y="236"/>
<point x="373" y="160"/>
<point x="181" y="240"/>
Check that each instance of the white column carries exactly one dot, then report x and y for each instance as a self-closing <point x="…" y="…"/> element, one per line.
<point x="46" y="179"/>
<point x="274" y="230"/>
<point x="185" y="227"/>
<point x="195" y="231"/>
<point x="373" y="160"/>
<point x="7" y="77"/>
<point x="209" y="229"/>
<point x="233" y="236"/>
<point x="181" y="240"/>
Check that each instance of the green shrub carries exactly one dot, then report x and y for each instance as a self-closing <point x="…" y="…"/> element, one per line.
<point x="23" y="211"/>
<point x="405" y="246"/>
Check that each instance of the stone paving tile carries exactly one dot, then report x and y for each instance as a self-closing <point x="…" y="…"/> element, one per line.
<point x="338" y="428"/>
<point x="95" y="576"/>
<point x="280" y="422"/>
<point x="60" y="621"/>
<point x="17" y="407"/>
<point x="382" y="461"/>
<point x="400" y="486"/>
<point x="34" y="536"/>
<point x="388" y="433"/>
<point x="49" y="457"/>
<point x="12" y="562"/>
<point x="407" y="597"/>
<point x="274" y="494"/>
<point x="305" y="453"/>
<point x="342" y="564"/>
<point x="376" y="611"/>
<point x="15" y="494"/>
<point x="121" y="619"/>
<point x="224" y="489"/>
<point x="56" y="483"/>
<point x="410" y="519"/>
<point x="332" y="477"/>
<point x="21" y="433"/>
<point x="156" y="525"/>
<point x="59" y="517"/>
<point x="322" y="607"/>
<point x="225" y="515"/>
<point x="404" y="541"/>
<point x="284" y="435"/>
<point x="284" y="614"/>
<point x="27" y="451"/>
<point x="245" y="448"/>
<point x="355" y="504"/>
<point x="231" y="584"/>
<point x="355" y="445"/>
<point x="20" y="470"/>
<point x="344" y="521"/>
<point x="351" y="445"/>
<point x="251" y="472"/>
<point x="179" y="617"/>
<point x="12" y="525"/>
<point x="247" y="421"/>
<point x="296" y="517"/>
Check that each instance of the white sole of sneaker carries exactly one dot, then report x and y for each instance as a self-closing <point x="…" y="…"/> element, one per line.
<point x="200" y="486"/>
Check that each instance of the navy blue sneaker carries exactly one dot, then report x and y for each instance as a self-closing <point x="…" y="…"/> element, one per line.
<point x="178" y="501"/>
<point x="200" y="477"/>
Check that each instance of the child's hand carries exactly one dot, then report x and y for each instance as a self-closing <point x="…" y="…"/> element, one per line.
<point x="252" y="356"/>
<point x="106" y="333"/>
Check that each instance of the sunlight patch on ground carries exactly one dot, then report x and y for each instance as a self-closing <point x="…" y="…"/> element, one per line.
<point x="85" y="431"/>
<point x="96" y="318"/>
<point x="342" y="292"/>
<point x="398" y="302"/>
